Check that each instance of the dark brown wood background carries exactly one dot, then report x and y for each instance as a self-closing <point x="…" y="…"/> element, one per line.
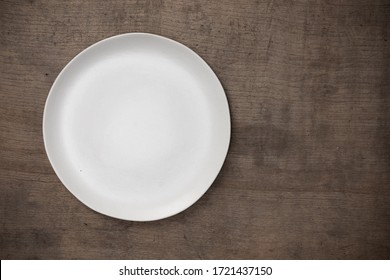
<point x="308" y="171"/>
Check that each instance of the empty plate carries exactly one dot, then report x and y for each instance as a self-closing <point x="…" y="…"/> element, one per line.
<point x="137" y="127"/>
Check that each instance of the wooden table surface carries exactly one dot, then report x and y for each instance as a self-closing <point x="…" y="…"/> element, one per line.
<point x="308" y="171"/>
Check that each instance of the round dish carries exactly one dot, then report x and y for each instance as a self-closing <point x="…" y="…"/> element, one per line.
<point x="137" y="127"/>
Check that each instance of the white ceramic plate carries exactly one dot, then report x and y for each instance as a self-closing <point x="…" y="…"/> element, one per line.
<point x="137" y="127"/>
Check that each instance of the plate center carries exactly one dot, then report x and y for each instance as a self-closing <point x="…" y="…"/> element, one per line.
<point x="135" y="127"/>
<point x="141" y="128"/>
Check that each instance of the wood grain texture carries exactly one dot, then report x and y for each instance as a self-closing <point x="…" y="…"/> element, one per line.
<point x="308" y="171"/>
